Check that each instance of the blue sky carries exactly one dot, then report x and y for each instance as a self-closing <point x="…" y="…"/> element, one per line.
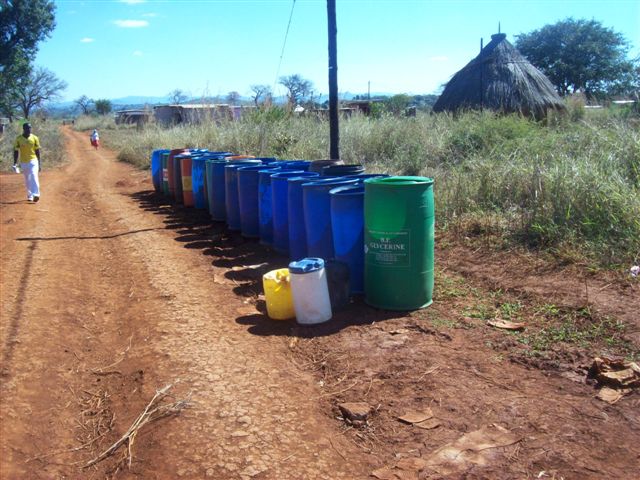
<point x="117" y="48"/>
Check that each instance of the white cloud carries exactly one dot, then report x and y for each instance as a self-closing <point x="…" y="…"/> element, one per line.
<point x="131" y="23"/>
<point x="439" y="58"/>
<point x="149" y="14"/>
<point x="137" y="53"/>
<point x="87" y="40"/>
<point x="132" y="2"/>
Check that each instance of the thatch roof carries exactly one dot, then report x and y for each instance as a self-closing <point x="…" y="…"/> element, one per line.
<point x="500" y="79"/>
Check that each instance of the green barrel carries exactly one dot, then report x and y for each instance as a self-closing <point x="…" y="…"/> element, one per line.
<point x="164" y="156"/>
<point x="399" y="228"/>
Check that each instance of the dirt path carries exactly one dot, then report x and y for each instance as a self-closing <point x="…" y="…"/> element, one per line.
<point x="91" y="280"/>
<point x="109" y="293"/>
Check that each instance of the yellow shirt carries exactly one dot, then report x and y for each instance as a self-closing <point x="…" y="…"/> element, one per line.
<point x="27" y="147"/>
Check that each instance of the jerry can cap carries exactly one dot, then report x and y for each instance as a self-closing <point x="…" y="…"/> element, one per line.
<point x="306" y="265"/>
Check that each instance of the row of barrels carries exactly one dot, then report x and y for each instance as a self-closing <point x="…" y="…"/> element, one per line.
<point x="381" y="227"/>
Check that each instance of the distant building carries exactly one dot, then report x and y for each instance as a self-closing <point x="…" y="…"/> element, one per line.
<point x="502" y="80"/>
<point x="4" y="122"/>
<point x="360" y="106"/>
<point x="132" y="117"/>
<point x="197" y="113"/>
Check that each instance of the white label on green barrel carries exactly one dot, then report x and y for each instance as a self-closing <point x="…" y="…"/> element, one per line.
<point x="389" y="248"/>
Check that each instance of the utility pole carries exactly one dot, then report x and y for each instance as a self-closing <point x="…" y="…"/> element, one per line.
<point x="334" y="133"/>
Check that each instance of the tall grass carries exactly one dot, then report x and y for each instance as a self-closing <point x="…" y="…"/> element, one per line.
<point x="573" y="183"/>
<point x="51" y="143"/>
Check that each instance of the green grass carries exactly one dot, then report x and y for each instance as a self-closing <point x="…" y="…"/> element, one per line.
<point x="581" y="329"/>
<point x="571" y="188"/>
<point x="51" y="143"/>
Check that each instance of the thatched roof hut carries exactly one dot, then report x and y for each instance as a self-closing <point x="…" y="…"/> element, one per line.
<point x="500" y="79"/>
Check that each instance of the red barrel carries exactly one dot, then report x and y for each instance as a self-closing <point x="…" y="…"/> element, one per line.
<point x="187" y="185"/>
<point x="170" y="172"/>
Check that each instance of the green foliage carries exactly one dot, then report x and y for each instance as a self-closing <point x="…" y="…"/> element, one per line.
<point x="569" y="187"/>
<point x="397" y="104"/>
<point x="103" y="106"/>
<point x="575" y="104"/>
<point x="581" y="55"/>
<point x="51" y="141"/>
<point x="22" y="26"/>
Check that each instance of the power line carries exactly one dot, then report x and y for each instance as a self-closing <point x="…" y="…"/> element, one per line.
<point x="275" y="81"/>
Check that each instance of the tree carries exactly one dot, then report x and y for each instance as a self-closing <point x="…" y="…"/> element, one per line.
<point x="84" y="103"/>
<point x="103" y="106"/>
<point x="233" y="98"/>
<point x="22" y="26"/>
<point x="397" y="104"/>
<point x="578" y="55"/>
<point x="298" y="87"/>
<point x="260" y="92"/>
<point x="39" y="87"/>
<point x="177" y="96"/>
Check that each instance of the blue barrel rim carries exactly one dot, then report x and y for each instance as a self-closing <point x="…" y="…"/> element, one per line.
<point x="345" y="190"/>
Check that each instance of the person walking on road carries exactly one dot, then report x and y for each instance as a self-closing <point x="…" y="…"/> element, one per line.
<point x="95" y="139"/>
<point x="27" y="149"/>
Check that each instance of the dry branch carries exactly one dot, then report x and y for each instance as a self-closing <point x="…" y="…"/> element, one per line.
<point x="153" y="411"/>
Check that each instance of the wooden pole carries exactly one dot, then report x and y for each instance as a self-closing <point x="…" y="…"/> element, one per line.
<point x="334" y="133"/>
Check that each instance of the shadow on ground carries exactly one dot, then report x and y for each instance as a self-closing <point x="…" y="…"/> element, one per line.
<point x="246" y="261"/>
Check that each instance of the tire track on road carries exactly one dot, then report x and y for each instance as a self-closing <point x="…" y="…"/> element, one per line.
<point x="14" y="326"/>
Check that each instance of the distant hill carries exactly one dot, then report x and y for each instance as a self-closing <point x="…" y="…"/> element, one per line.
<point x="139" y="100"/>
<point x="69" y="108"/>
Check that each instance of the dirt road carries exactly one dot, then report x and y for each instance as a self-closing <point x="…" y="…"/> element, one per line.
<point x="101" y="306"/>
<point x="109" y="294"/>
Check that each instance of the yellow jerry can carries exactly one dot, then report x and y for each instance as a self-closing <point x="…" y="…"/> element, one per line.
<point x="277" y="294"/>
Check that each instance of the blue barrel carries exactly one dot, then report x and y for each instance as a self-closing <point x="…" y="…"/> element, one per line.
<point x="265" y="213"/>
<point x="209" y="182"/>
<point x="198" y="169"/>
<point x="295" y="164"/>
<point x="280" y="209"/>
<point x="210" y="157"/>
<point x="248" y="179"/>
<point x="267" y="160"/>
<point x="342" y="170"/>
<point x="297" y="233"/>
<point x="156" y="169"/>
<point x="347" y="228"/>
<point x="317" y="215"/>
<point x="217" y="207"/>
<point x="231" y="198"/>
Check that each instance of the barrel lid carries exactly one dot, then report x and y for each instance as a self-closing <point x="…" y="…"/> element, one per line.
<point x="303" y="177"/>
<point x="242" y="163"/>
<point x="267" y="159"/>
<point x="287" y="173"/>
<point x="399" y="180"/>
<point x="257" y="168"/>
<point x="268" y="171"/>
<point x="325" y="182"/>
<point x="182" y="155"/>
<point x="357" y="189"/>
<point x="306" y="265"/>
<point x="363" y="176"/>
